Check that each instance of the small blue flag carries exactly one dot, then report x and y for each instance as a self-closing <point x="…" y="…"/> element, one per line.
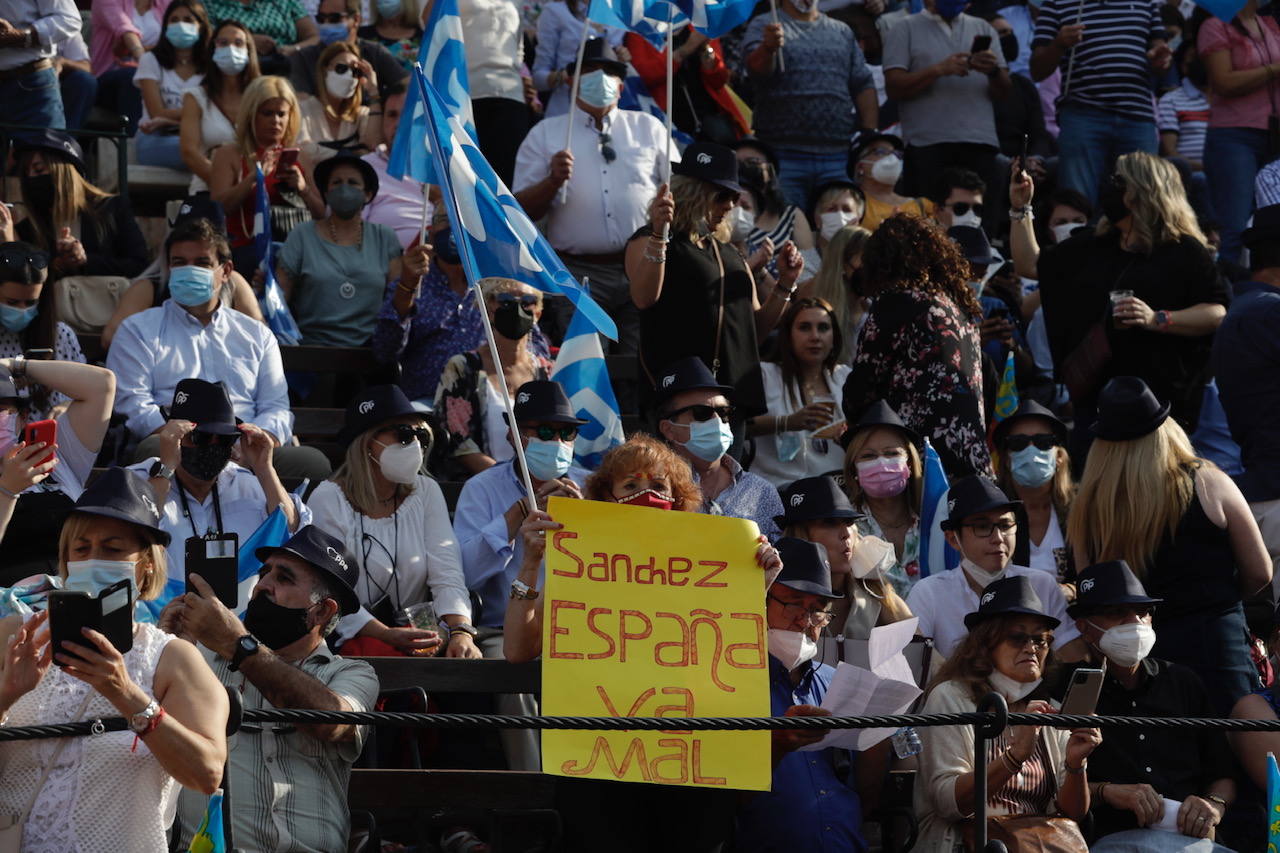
<point x="936" y="556"/>
<point x="646" y="19"/>
<point x="274" y="309"/>
<point x="581" y="369"/>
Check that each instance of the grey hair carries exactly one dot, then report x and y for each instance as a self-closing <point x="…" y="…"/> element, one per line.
<point x="320" y="590"/>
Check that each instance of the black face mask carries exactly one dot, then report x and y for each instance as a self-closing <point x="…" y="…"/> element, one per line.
<point x="37" y="192"/>
<point x="1111" y="200"/>
<point x="1009" y="45"/>
<point x="446" y="247"/>
<point x="512" y="320"/>
<point x="205" y="463"/>
<point x="275" y="626"/>
<point x="753" y="173"/>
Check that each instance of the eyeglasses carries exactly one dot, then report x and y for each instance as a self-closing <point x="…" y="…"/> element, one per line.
<point x="793" y="611"/>
<point x="960" y="208"/>
<point x="549" y="433"/>
<point x="528" y="300"/>
<point x="704" y="413"/>
<point x="204" y="439"/>
<point x="1039" y="642"/>
<point x="14" y="258"/>
<point x="331" y="17"/>
<point x="983" y="529"/>
<point x="407" y="434"/>
<point x="606" y="148"/>
<point x="344" y="68"/>
<point x="1042" y="441"/>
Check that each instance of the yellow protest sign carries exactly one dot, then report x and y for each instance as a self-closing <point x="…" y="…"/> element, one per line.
<point x="653" y="613"/>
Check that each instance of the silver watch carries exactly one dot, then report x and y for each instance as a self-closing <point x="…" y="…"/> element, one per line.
<point x="522" y="591"/>
<point x="139" y="722"/>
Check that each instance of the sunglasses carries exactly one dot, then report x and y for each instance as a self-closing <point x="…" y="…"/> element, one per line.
<point x="606" y="148"/>
<point x="204" y="439"/>
<point x="550" y="433"/>
<point x="346" y="68"/>
<point x="331" y="17"/>
<point x="528" y="300"/>
<point x="960" y="208"/>
<point x="407" y="434"/>
<point x="14" y="258"/>
<point x="1042" y="441"/>
<point x="704" y="413"/>
<point x="1039" y="642"/>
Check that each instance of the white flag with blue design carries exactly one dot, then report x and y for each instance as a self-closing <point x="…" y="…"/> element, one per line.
<point x="649" y="18"/>
<point x="635" y="96"/>
<point x="444" y="61"/>
<point x="495" y="236"/>
<point x="275" y="311"/>
<point x="581" y="369"/>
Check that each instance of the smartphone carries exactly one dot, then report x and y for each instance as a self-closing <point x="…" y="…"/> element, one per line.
<point x="1082" y="693"/>
<point x="1022" y="155"/>
<point x="46" y="431"/>
<point x="217" y="560"/>
<point x="110" y="614"/>
<point x="980" y="43"/>
<point x="38" y="355"/>
<point x="288" y="159"/>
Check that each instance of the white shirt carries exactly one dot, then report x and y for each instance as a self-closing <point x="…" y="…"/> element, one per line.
<point x="421" y="537"/>
<point x="1042" y="556"/>
<point x="148" y="24"/>
<point x="75" y="463"/>
<point x="156" y="349"/>
<point x="942" y="601"/>
<point x="398" y="204"/>
<point x="243" y="505"/>
<point x="603" y="204"/>
<point x="172" y="86"/>
<point x="494" y="48"/>
<point x="808" y="461"/>
<point x="52" y="20"/>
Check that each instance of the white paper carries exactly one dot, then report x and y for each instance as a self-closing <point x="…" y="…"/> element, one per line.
<point x="1168" y="821"/>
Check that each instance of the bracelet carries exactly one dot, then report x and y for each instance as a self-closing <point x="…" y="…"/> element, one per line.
<point x="1101" y="788"/>
<point x="1015" y="767"/>
<point x="659" y="258"/>
<point x="1075" y="771"/>
<point x="18" y="367"/>
<point x="1214" y="798"/>
<point x="11" y="495"/>
<point x="1017" y="214"/>
<point x="659" y="239"/>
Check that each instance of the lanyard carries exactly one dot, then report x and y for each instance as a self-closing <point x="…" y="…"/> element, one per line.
<point x="186" y="510"/>
<point x="367" y="541"/>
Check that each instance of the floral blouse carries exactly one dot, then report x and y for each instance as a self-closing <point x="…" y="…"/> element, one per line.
<point x="905" y="571"/>
<point x="921" y="354"/>
<point x="462" y="402"/>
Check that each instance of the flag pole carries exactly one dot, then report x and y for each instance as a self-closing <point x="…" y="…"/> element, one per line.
<point x="782" y="61"/>
<point x="671" y="49"/>
<point x="573" y="89"/>
<point x="426" y="205"/>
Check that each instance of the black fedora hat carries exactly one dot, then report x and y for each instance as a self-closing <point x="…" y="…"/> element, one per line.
<point x="205" y="404"/>
<point x="805" y="567"/>
<point x="878" y="414"/>
<point x="1266" y="225"/>
<point x="374" y="406"/>
<point x="710" y="162"/>
<point x="1030" y="409"/>
<point x="56" y="142"/>
<point x="971" y="495"/>
<point x="687" y="374"/>
<point x="1128" y="409"/>
<point x="866" y="140"/>
<point x="346" y="158"/>
<point x="813" y="499"/>
<point x="544" y="401"/>
<point x="974" y="244"/>
<point x="1005" y="596"/>
<point x="328" y="556"/>
<point x="599" y="52"/>
<point x="123" y="495"/>
<point x="201" y="206"/>
<point x="1105" y="585"/>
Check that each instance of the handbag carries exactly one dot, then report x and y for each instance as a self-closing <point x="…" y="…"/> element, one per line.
<point x="1083" y="367"/>
<point x="12" y="825"/>
<point x="1029" y="834"/>
<point x="86" y="303"/>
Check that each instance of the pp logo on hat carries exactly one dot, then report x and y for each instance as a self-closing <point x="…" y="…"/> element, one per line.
<point x="336" y="557"/>
<point x="151" y="505"/>
<point x="988" y="598"/>
<point x="180" y="398"/>
<point x="366" y="407"/>
<point x="796" y="500"/>
<point x="668" y="381"/>
<point x="704" y="158"/>
<point x="1086" y="584"/>
<point x="951" y="506"/>
<point x="522" y="397"/>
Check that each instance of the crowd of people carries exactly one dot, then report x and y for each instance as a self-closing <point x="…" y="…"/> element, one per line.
<point x="1030" y="248"/>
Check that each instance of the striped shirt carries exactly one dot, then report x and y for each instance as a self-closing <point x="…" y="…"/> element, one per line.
<point x="1185" y="111"/>
<point x="1031" y="790"/>
<point x="1111" y="68"/>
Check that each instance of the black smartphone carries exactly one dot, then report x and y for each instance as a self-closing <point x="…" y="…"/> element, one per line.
<point x="980" y="43"/>
<point x="42" y="354"/>
<point x="217" y="560"/>
<point x="1022" y="154"/>
<point x="110" y="614"/>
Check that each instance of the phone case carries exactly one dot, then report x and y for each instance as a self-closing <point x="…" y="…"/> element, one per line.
<point x="46" y="431"/>
<point x="111" y="614"/>
<point x="221" y="573"/>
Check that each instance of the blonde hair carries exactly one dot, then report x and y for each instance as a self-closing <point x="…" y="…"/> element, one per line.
<point x="72" y="197"/>
<point x="693" y="198"/>
<point x="1132" y="495"/>
<point x="153" y="553"/>
<point x="829" y="283"/>
<point x="1157" y="200"/>
<point x="915" y="485"/>
<point x="261" y="90"/>
<point x="355" y="475"/>
<point x="347" y="109"/>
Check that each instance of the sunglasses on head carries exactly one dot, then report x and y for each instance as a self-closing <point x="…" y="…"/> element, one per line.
<point x="407" y="434"/>
<point x="14" y="258"/>
<point x="528" y="300"/>
<point x="703" y="412"/>
<point x="960" y="208"/>
<point x="547" y="432"/>
<point x="204" y="439"/>
<point x="1042" y="441"/>
<point x="345" y="67"/>
<point x="330" y="17"/>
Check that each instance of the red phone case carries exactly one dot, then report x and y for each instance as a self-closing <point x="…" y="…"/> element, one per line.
<point x="46" y="431"/>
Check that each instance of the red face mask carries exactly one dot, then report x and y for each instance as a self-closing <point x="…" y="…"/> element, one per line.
<point x="648" y="497"/>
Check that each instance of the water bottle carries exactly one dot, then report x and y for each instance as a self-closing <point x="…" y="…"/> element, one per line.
<point x="906" y="742"/>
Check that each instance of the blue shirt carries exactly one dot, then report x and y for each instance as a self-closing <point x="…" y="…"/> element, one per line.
<point x="750" y="496"/>
<point x="810" y="808"/>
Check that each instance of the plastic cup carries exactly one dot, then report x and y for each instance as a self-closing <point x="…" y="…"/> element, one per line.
<point x="422" y="615"/>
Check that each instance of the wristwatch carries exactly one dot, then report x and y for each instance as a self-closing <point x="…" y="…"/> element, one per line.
<point x="522" y="591"/>
<point x="464" y="628"/>
<point x="245" y="646"/>
<point x="160" y="470"/>
<point x="141" y="721"/>
<point x="1163" y="319"/>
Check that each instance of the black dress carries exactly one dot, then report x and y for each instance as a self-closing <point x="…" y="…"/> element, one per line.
<point x="113" y="246"/>
<point x="683" y="321"/>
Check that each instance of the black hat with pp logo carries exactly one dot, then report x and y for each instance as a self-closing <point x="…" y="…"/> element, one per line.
<point x="813" y="499"/>
<point x="710" y="162"/>
<point x="1008" y="596"/>
<point x="205" y="404"/>
<point x="805" y="567"/>
<point x="328" y="556"/>
<point x="878" y="414"/>
<point x="1107" y="585"/>
<point x="687" y="374"/>
<point x="121" y="494"/>
<point x="544" y="401"/>
<point x="972" y="495"/>
<point x="374" y="406"/>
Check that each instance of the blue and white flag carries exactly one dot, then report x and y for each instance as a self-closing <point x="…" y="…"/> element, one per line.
<point x="495" y="236"/>
<point x="444" y="62"/>
<point x="274" y="309"/>
<point x="581" y="369"/>
<point x="635" y="96"/>
<point x="936" y="556"/>
<point x="645" y="18"/>
<point x="714" y="18"/>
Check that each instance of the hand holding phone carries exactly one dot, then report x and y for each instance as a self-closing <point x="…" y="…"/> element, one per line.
<point x="287" y="160"/>
<point x="110" y="614"/>
<point x="46" y="431"/>
<point x="1082" y="693"/>
<point x="980" y="43"/>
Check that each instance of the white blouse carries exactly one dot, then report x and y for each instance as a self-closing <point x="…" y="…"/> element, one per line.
<point x="494" y="48"/>
<point x="215" y="129"/>
<point x="806" y="456"/>
<point x="400" y="555"/>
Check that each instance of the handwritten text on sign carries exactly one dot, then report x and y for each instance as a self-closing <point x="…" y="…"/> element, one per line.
<point x="653" y="613"/>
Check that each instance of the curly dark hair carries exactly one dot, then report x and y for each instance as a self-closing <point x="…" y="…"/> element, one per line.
<point x="907" y="253"/>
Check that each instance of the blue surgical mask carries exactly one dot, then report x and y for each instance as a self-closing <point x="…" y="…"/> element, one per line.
<point x="388" y="8"/>
<point x="1033" y="467"/>
<point x="598" y="89"/>
<point x="950" y="9"/>
<point x="17" y="319"/>
<point x="230" y="58"/>
<point x="93" y="576"/>
<point x="331" y="33"/>
<point x="548" y="460"/>
<point x="709" y="439"/>
<point x="182" y="33"/>
<point x="191" y="285"/>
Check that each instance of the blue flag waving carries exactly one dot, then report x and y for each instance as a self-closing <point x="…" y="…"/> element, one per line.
<point x="936" y="556"/>
<point x="580" y="367"/>
<point x="495" y="236"/>
<point x="649" y="18"/>
<point x="274" y="309"/>
<point x="444" y="62"/>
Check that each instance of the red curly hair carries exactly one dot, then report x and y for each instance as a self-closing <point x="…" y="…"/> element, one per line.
<point x="907" y="253"/>
<point x="645" y="453"/>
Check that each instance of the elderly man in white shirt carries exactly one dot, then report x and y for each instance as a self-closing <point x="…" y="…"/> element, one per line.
<point x="593" y="198"/>
<point x="191" y="335"/>
<point x="981" y="525"/>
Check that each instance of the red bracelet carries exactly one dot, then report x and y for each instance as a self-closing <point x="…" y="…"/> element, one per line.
<point x="151" y="727"/>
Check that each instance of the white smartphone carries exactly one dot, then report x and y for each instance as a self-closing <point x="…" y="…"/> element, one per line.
<point x="1082" y="693"/>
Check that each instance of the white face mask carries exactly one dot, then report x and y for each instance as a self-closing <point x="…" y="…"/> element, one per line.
<point x="1063" y="230"/>
<point x="833" y="220"/>
<point x="93" y="576"/>
<point x="1127" y="645"/>
<point x="791" y="648"/>
<point x="887" y="169"/>
<point x="969" y="218"/>
<point x="869" y="555"/>
<point x="1012" y="691"/>
<point x="983" y="577"/>
<point x="400" y="462"/>
<point x="341" y="86"/>
<point x="743" y="221"/>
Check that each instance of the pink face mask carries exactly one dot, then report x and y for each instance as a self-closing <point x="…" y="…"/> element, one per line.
<point x="8" y="435"/>
<point x="883" y="477"/>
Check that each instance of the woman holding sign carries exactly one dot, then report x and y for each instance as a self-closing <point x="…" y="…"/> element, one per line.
<point x="60" y="790"/>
